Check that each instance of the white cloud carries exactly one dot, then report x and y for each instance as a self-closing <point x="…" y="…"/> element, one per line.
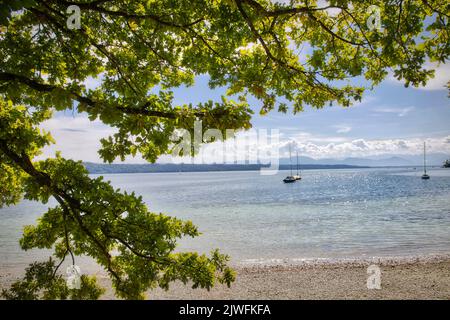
<point x="447" y="139"/>
<point x="336" y="150"/>
<point x="439" y="82"/>
<point x="441" y="77"/>
<point x="77" y="137"/>
<point x="341" y="128"/>
<point x="306" y="136"/>
<point x="367" y="148"/>
<point x="401" y="112"/>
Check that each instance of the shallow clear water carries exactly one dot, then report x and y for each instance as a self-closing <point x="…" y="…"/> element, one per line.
<point x="328" y="214"/>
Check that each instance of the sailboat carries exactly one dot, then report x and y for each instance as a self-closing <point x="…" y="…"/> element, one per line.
<point x="297" y="176"/>
<point x="425" y="176"/>
<point x="446" y="164"/>
<point x="291" y="178"/>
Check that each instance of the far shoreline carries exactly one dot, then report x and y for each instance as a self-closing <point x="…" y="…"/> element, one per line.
<point x="99" y="169"/>
<point x="123" y="168"/>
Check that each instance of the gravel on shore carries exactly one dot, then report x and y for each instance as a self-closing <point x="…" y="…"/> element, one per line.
<point x="347" y="280"/>
<point x="407" y="279"/>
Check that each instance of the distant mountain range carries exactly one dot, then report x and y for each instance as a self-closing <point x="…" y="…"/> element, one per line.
<point x="433" y="159"/>
<point x="306" y="163"/>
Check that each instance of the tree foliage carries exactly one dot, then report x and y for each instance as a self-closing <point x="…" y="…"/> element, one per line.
<point x="288" y="56"/>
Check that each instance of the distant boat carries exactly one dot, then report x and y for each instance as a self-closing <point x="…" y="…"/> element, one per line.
<point x="446" y="164"/>
<point x="297" y="176"/>
<point x="425" y="176"/>
<point x="291" y="178"/>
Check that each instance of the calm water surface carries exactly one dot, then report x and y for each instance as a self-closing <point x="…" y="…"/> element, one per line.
<point x="328" y="214"/>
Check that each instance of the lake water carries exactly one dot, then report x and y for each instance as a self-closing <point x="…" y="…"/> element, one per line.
<point x="357" y="213"/>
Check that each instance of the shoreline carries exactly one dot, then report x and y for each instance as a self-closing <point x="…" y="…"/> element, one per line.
<point x="418" y="277"/>
<point x="388" y="260"/>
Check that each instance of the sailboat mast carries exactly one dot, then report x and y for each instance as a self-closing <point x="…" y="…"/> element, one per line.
<point x="424" y="158"/>
<point x="297" y="162"/>
<point x="290" y="158"/>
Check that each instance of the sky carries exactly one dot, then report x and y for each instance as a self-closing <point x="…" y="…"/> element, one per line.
<point x="390" y="120"/>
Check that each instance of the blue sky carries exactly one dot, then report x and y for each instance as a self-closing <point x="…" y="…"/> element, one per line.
<point x="390" y="120"/>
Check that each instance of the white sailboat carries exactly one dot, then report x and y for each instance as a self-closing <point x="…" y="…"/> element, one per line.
<point x="297" y="176"/>
<point x="291" y="178"/>
<point x="425" y="176"/>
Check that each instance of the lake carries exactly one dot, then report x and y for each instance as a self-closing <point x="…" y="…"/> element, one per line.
<point x="333" y="214"/>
